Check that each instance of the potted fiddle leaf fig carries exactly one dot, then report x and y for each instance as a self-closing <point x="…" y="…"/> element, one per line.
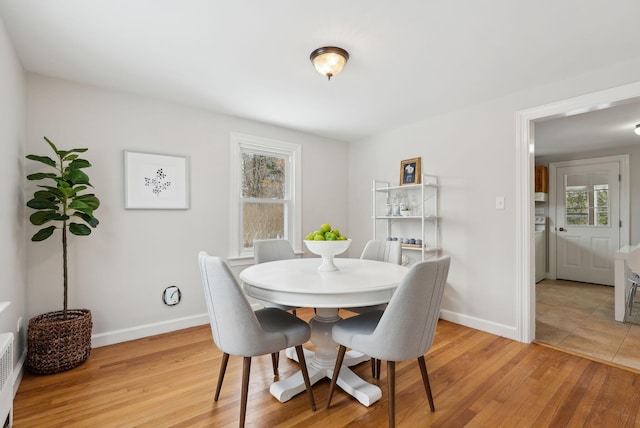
<point x="61" y="340"/>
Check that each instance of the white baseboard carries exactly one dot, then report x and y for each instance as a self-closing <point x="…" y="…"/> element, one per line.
<point x="18" y="371"/>
<point x="138" y="332"/>
<point x="479" y="324"/>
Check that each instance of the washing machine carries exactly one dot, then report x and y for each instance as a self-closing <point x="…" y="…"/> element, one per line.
<point x="540" y="232"/>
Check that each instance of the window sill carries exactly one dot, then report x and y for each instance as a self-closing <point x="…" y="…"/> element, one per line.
<point x="240" y="261"/>
<point x="248" y="260"/>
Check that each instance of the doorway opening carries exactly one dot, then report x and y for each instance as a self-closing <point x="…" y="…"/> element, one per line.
<point x="525" y="150"/>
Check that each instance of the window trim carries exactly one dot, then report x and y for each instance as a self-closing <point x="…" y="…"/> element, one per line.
<point x="293" y="151"/>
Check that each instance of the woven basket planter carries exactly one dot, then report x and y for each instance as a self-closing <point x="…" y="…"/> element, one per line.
<point x="55" y="345"/>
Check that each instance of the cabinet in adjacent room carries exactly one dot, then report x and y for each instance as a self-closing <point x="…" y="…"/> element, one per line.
<point x="541" y="183"/>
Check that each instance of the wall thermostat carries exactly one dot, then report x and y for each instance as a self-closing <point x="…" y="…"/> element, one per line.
<point x="171" y="295"/>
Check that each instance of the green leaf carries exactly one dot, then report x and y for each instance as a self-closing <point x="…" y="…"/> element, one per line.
<point x="78" y="177"/>
<point x="64" y="154"/>
<point x="60" y="217"/>
<point x="79" y="163"/>
<point x="39" y="218"/>
<point x="67" y="191"/>
<point x="53" y="146"/>
<point x="90" y="199"/>
<point x="70" y="158"/>
<point x="79" y="229"/>
<point x="92" y="221"/>
<point x="44" y="159"/>
<point x="54" y="191"/>
<point x="77" y="204"/>
<point x="41" y="176"/>
<point x="43" y="234"/>
<point x="42" y="204"/>
<point x="44" y="194"/>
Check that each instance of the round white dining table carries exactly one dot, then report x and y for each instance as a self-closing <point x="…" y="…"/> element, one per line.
<point x="297" y="282"/>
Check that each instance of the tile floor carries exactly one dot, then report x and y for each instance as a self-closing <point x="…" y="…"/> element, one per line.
<point x="578" y="317"/>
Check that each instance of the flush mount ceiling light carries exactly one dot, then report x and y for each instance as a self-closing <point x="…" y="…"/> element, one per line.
<point x="637" y="131"/>
<point x="329" y="60"/>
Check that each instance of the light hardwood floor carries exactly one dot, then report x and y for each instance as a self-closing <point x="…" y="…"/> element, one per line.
<point x="579" y="318"/>
<point x="478" y="380"/>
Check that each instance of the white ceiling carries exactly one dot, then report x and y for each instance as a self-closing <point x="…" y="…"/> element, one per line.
<point x="409" y="58"/>
<point x="591" y="131"/>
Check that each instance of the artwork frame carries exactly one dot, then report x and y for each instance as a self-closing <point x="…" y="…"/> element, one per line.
<point x="410" y="171"/>
<point x="155" y="181"/>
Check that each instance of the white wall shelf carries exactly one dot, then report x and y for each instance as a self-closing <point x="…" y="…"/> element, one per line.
<point x="422" y="223"/>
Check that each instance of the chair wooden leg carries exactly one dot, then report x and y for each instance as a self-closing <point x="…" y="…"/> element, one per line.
<point x="275" y="361"/>
<point x="425" y="380"/>
<point x="305" y="375"/>
<point x="391" y="384"/>
<point x="246" y="368"/>
<point x="375" y="368"/>
<point x="336" y="371"/>
<point x="223" y="369"/>
<point x="632" y="296"/>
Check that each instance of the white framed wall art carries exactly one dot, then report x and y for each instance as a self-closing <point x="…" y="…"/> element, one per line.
<point x="155" y="181"/>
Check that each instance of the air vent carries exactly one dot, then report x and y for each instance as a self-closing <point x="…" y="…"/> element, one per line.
<point x="6" y="379"/>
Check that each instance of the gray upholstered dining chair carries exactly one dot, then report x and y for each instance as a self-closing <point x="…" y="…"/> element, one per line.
<point x="632" y="271"/>
<point x="382" y="251"/>
<point x="270" y="250"/>
<point x="405" y="330"/>
<point x="238" y="330"/>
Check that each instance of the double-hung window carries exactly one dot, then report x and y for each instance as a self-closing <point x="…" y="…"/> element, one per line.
<point x="265" y="192"/>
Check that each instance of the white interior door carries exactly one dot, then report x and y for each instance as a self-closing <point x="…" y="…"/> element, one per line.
<point x="587" y="221"/>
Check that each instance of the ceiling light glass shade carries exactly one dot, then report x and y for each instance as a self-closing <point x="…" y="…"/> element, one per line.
<point x="637" y="131"/>
<point x="329" y="60"/>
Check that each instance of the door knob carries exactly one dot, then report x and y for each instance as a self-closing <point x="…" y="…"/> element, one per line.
<point x="562" y="229"/>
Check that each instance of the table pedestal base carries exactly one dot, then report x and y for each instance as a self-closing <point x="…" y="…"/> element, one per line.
<point x="321" y="363"/>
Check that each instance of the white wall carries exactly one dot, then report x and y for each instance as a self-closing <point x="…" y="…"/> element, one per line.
<point x="12" y="234"/>
<point x="473" y="151"/>
<point x="119" y="271"/>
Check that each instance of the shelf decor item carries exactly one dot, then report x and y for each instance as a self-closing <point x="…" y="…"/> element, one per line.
<point x="410" y="171"/>
<point x="327" y="250"/>
<point x="61" y="340"/>
<point x="154" y="181"/>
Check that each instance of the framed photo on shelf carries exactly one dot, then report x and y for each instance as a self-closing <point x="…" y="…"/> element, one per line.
<point x="410" y="171"/>
<point x="154" y="181"/>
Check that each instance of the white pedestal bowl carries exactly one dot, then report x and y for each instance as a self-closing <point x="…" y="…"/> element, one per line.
<point x="327" y="250"/>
